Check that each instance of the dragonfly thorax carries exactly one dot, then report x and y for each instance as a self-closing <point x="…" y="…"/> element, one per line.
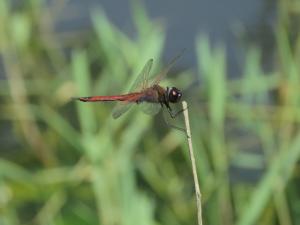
<point x="173" y="94"/>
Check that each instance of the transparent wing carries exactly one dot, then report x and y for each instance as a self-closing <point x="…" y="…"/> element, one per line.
<point x="150" y="108"/>
<point x="158" y="77"/>
<point x="120" y="108"/>
<point x="140" y="83"/>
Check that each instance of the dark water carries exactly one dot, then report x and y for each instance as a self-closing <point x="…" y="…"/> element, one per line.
<point x="234" y="23"/>
<point x="222" y="21"/>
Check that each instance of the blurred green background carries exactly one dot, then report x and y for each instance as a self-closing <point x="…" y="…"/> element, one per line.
<point x="65" y="162"/>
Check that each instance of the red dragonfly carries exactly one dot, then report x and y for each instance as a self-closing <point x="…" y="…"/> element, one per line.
<point x="144" y="90"/>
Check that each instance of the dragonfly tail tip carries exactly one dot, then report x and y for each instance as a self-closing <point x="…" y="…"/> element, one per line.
<point x="78" y="99"/>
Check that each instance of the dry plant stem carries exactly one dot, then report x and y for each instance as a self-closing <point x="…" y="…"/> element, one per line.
<point x="191" y="151"/>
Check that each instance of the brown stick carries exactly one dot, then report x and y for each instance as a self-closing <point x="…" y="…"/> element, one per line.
<point x="191" y="151"/>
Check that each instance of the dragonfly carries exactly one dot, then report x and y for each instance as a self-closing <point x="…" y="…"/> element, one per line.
<point x="145" y="91"/>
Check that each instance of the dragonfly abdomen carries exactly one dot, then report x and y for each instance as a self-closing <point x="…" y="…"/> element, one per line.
<point x="133" y="97"/>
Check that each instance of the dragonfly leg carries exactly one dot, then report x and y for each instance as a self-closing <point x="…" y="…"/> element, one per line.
<point x="173" y="115"/>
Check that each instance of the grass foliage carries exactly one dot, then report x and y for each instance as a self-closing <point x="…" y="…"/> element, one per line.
<point x="65" y="162"/>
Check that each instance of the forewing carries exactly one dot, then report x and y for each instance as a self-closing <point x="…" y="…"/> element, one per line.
<point x="150" y="108"/>
<point x="120" y="108"/>
<point x="158" y="77"/>
<point x="141" y="81"/>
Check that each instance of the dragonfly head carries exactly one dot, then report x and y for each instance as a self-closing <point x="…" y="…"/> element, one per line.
<point x="173" y="94"/>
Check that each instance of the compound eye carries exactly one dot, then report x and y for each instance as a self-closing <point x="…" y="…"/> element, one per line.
<point x="174" y="95"/>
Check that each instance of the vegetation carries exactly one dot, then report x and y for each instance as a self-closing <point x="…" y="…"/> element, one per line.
<point x="70" y="163"/>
